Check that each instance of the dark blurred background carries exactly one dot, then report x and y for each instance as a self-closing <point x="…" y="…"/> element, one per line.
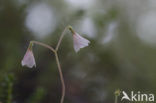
<point x="121" y="55"/>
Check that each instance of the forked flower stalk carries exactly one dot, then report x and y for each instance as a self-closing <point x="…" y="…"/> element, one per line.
<point x="79" y="42"/>
<point x="58" y="64"/>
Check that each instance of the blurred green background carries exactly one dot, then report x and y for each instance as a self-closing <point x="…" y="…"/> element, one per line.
<point x="122" y="52"/>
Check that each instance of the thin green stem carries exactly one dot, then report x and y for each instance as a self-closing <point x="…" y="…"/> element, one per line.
<point x="60" y="39"/>
<point x="9" y="93"/>
<point x="117" y="94"/>
<point x="62" y="35"/>
<point x="61" y="77"/>
<point x="116" y="99"/>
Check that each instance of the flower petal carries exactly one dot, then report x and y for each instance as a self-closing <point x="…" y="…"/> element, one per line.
<point x="28" y="59"/>
<point x="79" y="42"/>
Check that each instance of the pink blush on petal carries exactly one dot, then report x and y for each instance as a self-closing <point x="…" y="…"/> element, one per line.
<point x="28" y="59"/>
<point x="79" y="42"/>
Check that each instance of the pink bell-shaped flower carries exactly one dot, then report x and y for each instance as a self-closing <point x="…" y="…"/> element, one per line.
<point x="79" y="42"/>
<point x="29" y="59"/>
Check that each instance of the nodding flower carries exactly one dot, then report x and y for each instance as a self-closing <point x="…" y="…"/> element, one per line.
<point x="79" y="41"/>
<point x="28" y="59"/>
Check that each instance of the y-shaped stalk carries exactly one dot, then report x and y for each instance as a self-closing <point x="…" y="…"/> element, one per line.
<point x="57" y="58"/>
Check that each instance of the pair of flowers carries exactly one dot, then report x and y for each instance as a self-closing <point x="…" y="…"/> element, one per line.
<point x="78" y="43"/>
